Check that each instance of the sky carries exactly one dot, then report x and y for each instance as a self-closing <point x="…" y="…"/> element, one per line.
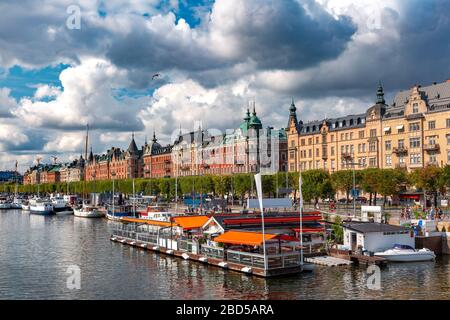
<point x="65" y="64"/>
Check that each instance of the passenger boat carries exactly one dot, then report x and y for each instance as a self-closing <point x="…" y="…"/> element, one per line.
<point x="4" y="203"/>
<point x="60" y="206"/>
<point x="404" y="253"/>
<point x="117" y="212"/>
<point x="41" y="206"/>
<point x="89" y="211"/>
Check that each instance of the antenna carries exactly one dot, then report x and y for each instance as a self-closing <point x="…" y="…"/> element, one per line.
<point x="54" y="159"/>
<point x="38" y="160"/>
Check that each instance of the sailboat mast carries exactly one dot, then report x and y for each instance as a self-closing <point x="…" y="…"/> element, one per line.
<point x="85" y="159"/>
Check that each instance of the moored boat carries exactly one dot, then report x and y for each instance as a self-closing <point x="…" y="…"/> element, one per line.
<point x="4" y="203"/>
<point x="119" y="211"/>
<point x="156" y="213"/>
<point x="404" y="253"/>
<point x="41" y="206"/>
<point x="60" y="206"/>
<point x="89" y="211"/>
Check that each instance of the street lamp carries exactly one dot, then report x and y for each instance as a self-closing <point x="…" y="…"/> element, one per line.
<point x="354" y="186"/>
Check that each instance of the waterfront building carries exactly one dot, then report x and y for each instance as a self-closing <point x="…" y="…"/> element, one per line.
<point x="73" y="171"/>
<point x="126" y="164"/>
<point x="412" y="132"/>
<point x="373" y="236"/>
<point x="157" y="159"/>
<point x="247" y="149"/>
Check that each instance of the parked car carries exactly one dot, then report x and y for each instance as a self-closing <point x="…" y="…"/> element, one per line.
<point x="342" y="200"/>
<point x="361" y="200"/>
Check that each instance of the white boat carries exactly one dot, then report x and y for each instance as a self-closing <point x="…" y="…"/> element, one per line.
<point x="88" y="211"/>
<point x="4" y="203"/>
<point x="60" y="206"/>
<point x="156" y="213"/>
<point x="41" y="206"/>
<point x="25" y="206"/>
<point x="17" y="203"/>
<point x="404" y="253"/>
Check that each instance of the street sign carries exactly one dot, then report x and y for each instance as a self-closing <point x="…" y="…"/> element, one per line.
<point x="355" y="193"/>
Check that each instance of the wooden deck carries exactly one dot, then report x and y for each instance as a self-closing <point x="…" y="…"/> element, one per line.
<point x="358" y="258"/>
<point x="208" y="260"/>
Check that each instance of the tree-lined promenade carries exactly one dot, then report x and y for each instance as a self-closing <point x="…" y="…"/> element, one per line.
<point x="317" y="184"/>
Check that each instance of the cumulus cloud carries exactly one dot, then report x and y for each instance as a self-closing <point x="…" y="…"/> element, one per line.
<point x="7" y="103"/>
<point x="86" y="99"/>
<point x="327" y="54"/>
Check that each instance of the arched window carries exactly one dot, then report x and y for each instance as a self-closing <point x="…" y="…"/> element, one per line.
<point x="344" y="123"/>
<point x="313" y="128"/>
<point x="358" y="121"/>
<point x="351" y="122"/>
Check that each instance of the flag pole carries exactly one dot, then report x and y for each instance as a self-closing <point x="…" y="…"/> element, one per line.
<point x="301" y="217"/>
<point x="261" y="207"/>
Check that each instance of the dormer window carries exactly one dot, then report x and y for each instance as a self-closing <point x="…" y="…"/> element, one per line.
<point x="415" y="108"/>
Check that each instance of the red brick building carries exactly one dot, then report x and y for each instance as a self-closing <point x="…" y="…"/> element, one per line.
<point x="124" y="164"/>
<point x="157" y="160"/>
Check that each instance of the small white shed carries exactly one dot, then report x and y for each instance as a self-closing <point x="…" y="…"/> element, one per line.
<point x="373" y="236"/>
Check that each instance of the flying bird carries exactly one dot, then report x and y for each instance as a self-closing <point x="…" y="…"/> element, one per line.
<point x="156" y="75"/>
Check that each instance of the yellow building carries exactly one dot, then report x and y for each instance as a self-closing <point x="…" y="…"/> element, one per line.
<point x="412" y="132"/>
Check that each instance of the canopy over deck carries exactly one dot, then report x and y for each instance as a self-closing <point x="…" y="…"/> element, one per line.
<point x="244" y="238"/>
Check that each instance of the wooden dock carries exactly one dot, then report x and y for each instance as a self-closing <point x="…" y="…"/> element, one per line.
<point x="357" y="258"/>
<point x="260" y="272"/>
<point x="329" y="261"/>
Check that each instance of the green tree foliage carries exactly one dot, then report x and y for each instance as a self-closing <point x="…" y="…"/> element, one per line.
<point x="428" y="179"/>
<point x="316" y="184"/>
<point x="343" y="181"/>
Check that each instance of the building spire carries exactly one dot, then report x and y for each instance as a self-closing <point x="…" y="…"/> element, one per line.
<point x="254" y="108"/>
<point x="154" y="136"/>
<point x="380" y="94"/>
<point x="292" y="108"/>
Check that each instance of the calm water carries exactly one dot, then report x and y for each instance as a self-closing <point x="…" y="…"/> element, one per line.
<point x="35" y="252"/>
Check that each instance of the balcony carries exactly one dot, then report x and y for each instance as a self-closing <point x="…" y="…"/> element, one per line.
<point x="400" y="150"/>
<point x="431" y="147"/>
<point x="185" y="168"/>
<point x="432" y="164"/>
<point x="347" y="156"/>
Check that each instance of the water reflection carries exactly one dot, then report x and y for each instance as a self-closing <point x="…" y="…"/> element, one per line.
<point x="35" y="252"/>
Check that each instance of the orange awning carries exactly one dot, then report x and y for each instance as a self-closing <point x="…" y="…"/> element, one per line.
<point x="244" y="238"/>
<point x="190" y="222"/>
<point x="147" y="221"/>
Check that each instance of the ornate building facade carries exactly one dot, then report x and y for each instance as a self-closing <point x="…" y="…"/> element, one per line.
<point x="249" y="148"/>
<point x="157" y="159"/>
<point x="115" y="162"/>
<point x="412" y="132"/>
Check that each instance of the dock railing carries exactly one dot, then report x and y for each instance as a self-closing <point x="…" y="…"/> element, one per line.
<point x="275" y="261"/>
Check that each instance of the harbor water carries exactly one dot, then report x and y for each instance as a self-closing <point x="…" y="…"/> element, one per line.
<point x="37" y="254"/>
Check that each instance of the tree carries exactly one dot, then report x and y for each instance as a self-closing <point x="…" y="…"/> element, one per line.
<point x="391" y="181"/>
<point x="370" y="183"/>
<point x="428" y="179"/>
<point x="343" y="181"/>
<point x="221" y="185"/>
<point x="242" y="184"/>
<point x="338" y="231"/>
<point x="316" y="184"/>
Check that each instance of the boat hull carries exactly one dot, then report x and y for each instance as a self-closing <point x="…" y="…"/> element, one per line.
<point x="5" y="206"/>
<point x="417" y="256"/>
<point x="63" y="211"/>
<point x="89" y="214"/>
<point x="41" y="212"/>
